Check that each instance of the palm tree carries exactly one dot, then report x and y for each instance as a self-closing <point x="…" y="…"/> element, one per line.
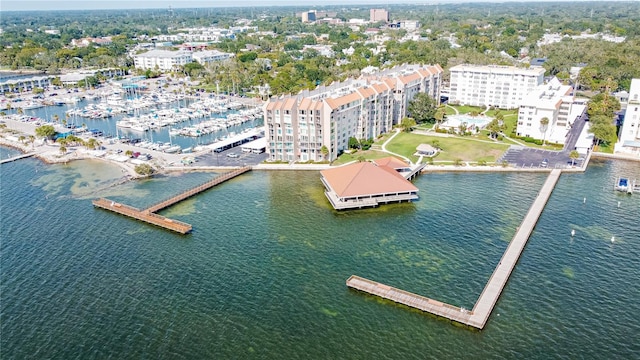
<point x="32" y="139"/>
<point x="63" y="149"/>
<point x="544" y="124"/>
<point x="56" y="118"/>
<point x="21" y="138"/>
<point x="20" y="111"/>
<point x="573" y="155"/>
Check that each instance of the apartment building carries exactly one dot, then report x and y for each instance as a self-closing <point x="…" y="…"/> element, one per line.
<point x="164" y="60"/>
<point x="297" y="127"/>
<point x="490" y="85"/>
<point x="376" y="15"/>
<point x="208" y="56"/>
<point x="629" y="142"/>
<point x="555" y="102"/>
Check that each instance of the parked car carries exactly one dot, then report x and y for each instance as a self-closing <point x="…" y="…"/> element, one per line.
<point x="233" y="155"/>
<point x="544" y="163"/>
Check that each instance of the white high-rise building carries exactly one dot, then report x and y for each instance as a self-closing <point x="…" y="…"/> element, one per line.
<point x="629" y="142"/>
<point x="490" y="85"/>
<point x="554" y="102"/>
<point x="298" y="127"/>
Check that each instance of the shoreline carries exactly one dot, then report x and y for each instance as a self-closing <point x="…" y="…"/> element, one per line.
<point x="49" y="154"/>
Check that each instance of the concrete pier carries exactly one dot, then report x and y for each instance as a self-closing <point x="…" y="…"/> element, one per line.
<point x="17" y="158"/>
<point x="479" y="315"/>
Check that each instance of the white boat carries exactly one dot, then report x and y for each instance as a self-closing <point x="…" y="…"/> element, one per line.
<point x="31" y="105"/>
<point x="173" y="149"/>
<point x="139" y="127"/>
<point x="125" y="124"/>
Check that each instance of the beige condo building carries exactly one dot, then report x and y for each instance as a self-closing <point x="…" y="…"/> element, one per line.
<point x="298" y="126"/>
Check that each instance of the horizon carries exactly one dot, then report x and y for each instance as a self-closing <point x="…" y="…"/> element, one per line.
<point x="42" y="5"/>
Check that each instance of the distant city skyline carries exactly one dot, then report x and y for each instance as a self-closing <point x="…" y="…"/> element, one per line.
<point x="22" y="5"/>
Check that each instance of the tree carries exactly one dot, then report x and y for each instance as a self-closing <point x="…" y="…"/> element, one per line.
<point x="544" y="125"/>
<point x="573" y="155"/>
<point x="407" y="124"/>
<point x="353" y="143"/>
<point x="324" y="151"/>
<point x="63" y="149"/>
<point x="128" y="153"/>
<point x="603" y="132"/>
<point x="45" y="131"/>
<point x="91" y="144"/>
<point x="32" y="139"/>
<point x="422" y="108"/>
<point x="144" y="169"/>
<point x="494" y="128"/>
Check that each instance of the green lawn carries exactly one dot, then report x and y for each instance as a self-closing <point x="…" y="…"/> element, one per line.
<point x="367" y="154"/>
<point x="449" y="111"/>
<point x="510" y="122"/>
<point x="502" y="111"/>
<point x="464" y="109"/>
<point x="452" y="148"/>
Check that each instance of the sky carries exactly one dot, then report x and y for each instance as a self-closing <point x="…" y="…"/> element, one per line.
<point x="13" y="5"/>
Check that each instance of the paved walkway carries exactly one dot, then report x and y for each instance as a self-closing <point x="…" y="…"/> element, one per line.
<point x="384" y="148"/>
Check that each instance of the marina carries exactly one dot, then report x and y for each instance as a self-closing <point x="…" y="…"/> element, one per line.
<point x="148" y="215"/>
<point x="479" y="315"/>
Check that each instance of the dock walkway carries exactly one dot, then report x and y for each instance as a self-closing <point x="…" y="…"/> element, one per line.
<point x="22" y="156"/>
<point x="148" y="215"/>
<point x="479" y="315"/>
<point x="198" y="189"/>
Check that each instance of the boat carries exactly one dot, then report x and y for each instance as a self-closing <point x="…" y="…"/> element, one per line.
<point x="123" y="124"/>
<point x="31" y="105"/>
<point x="623" y="185"/>
<point x="173" y="149"/>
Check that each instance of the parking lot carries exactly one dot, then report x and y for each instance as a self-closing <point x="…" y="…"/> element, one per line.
<point x="520" y="156"/>
<point x="231" y="157"/>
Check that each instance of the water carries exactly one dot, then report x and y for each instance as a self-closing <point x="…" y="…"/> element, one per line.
<point x="263" y="274"/>
<point x="108" y="125"/>
<point x="456" y="120"/>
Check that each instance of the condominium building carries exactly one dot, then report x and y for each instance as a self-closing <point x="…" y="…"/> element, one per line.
<point x="629" y="142"/>
<point x="490" y="85"/>
<point x="298" y="127"/>
<point x="553" y="102"/>
<point x="164" y="60"/>
<point x="376" y="15"/>
<point x="209" y="56"/>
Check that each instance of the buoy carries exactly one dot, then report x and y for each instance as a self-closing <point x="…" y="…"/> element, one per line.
<point x="618" y="203"/>
<point x="584" y="201"/>
<point x="573" y="232"/>
<point x="613" y="238"/>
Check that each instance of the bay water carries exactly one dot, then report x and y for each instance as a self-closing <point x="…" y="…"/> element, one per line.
<point x="263" y="273"/>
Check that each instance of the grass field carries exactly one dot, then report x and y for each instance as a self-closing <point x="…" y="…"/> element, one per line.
<point x="452" y="148"/>
<point x="367" y="154"/>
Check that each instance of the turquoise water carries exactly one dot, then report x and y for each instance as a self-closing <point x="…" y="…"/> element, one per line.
<point x="456" y="120"/>
<point x="263" y="274"/>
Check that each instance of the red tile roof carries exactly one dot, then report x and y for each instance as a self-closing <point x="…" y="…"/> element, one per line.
<point x="366" y="178"/>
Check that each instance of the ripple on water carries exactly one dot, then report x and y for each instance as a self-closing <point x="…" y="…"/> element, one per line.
<point x="264" y="272"/>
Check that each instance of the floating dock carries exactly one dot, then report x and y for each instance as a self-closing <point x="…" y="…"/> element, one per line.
<point x="148" y="215"/>
<point x="479" y="315"/>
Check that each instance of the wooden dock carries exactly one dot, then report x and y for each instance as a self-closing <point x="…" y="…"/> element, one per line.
<point x="151" y="218"/>
<point x="22" y="156"/>
<point x="198" y="189"/>
<point x="479" y="315"/>
<point x="148" y="215"/>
